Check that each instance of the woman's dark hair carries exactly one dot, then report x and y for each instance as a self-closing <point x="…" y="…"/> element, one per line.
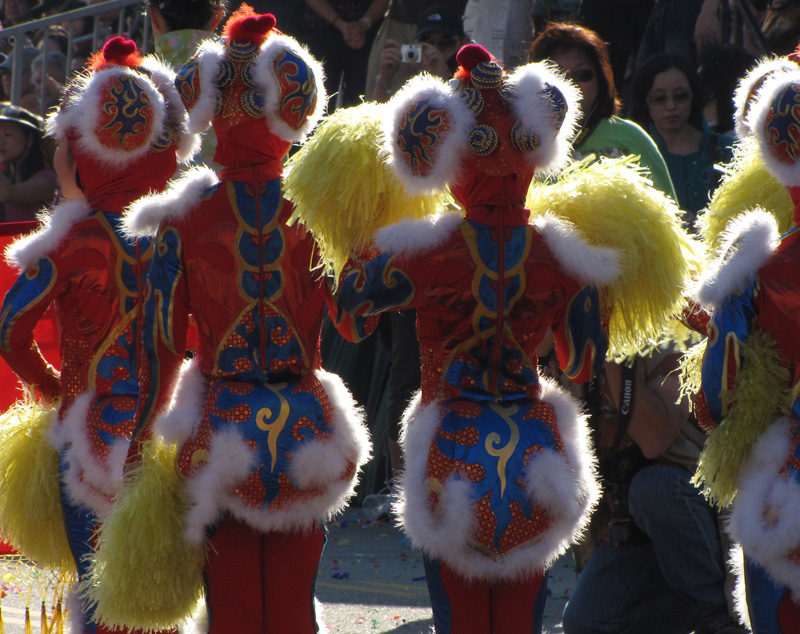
<point x="558" y="37"/>
<point x="33" y="162"/>
<point x="188" y="14"/>
<point x="642" y="83"/>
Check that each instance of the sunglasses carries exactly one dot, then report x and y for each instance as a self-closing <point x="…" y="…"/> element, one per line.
<point x="679" y="97"/>
<point x="580" y="75"/>
<point x="445" y="41"/>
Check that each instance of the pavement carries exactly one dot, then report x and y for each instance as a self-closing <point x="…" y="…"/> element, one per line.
<point x="371" y="581"/>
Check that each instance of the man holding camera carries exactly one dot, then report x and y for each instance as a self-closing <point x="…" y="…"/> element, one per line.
<point x="439" y="36"/>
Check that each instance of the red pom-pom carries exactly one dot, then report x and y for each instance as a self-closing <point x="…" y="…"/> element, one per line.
<point x="471" y="55"/>
<point x="245" y="25"/>
<point x="118" y="51"/>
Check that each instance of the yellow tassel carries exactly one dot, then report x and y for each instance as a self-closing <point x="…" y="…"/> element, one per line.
<point x="57" y="625"/>
<point x="30" y="506"/>
<point x="747" y="183"/>
<point x="2" y="623"/>
<point x="28" y="624"/>
<point x="343" y="190"/>
<point x="43" y="620"/>
<point x="144" y="574"/>
<point x="762" y="391"/>
<point x="615" y="205"/>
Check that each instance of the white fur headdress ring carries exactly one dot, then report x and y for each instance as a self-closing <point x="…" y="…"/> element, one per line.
<point x="123" y="107"/>
<point x="483" y="120"/>
<point x="254" y="71"/>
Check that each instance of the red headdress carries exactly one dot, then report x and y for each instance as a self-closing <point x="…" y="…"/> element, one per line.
<point x="259" y="88"/>
<point x="124" y="123"/>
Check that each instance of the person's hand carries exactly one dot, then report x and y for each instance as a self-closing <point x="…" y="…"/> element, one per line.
<point x="352" y="34"/>
<point x="707" y="27"/>
<point x="389" y="62"/>
<point x="434" y="62"/>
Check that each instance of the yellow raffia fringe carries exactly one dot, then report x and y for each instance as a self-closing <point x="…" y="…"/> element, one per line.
<point x="762" y="390"/>
<point x="615" y="205"/>
<point x="144" y="574"/>
<point x="342" y="189"/>
<point x="30" y="502"/>
<point x="747" y="183"/>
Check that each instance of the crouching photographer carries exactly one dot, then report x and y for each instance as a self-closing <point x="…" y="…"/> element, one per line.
<point x="653" y="560"/>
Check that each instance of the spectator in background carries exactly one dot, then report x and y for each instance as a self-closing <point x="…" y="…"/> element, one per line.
<point x="339" y="33"/>
<point x="53" y="38"/>
<point x="400" y="25"/>
<point x="28" y="98"/>
<point x="49" y="79"/>
<point x="27" y="182"/>
<point x="504" y="29"/>
<point x="583" y="56"/>
<point x="721" y="68"/>
<point x="15" y="12"/>
<point x="667" y="99"/>
<point x="46" y="8"/>
<point x="440" y="33"/>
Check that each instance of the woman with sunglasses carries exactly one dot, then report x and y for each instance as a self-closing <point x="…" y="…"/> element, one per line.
<point x="667" y="99"/>
<point x="584" y="58"/>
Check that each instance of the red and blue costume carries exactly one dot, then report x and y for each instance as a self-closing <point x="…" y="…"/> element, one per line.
<point x="270" y="444"/>
<point x="124" y="125"/>
<point x="753" y="292"/>
<point x="499" y="474"/>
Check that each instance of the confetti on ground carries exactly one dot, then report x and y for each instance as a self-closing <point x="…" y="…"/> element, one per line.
<point x="341" y="575"/>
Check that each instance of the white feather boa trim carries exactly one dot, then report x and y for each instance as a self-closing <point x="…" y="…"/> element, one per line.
<point x="535" y="114"/>
<point x="450" y="147"/>
<point x="56" y="225"/>
<point x="748" y="90"/>
<point x="765" y="518"/>
<point x="182" y="195"/>
<point x="314" y="465"/>
<point x="413" y="236"/>
<point x="587" y="263"/>
<point x="208" y="59"/>
<point x="746" y="244"/>
<point x="88" y="481"/>
<point x="566" y="486"/>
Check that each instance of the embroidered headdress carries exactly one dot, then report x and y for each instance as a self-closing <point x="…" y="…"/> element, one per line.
<point x="259" y="88"/>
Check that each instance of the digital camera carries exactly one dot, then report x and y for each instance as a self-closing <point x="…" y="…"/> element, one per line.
<point x="411" y="53"/>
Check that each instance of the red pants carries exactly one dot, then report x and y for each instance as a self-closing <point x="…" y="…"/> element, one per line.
<point x="262" y="582"/>
<point x="461" y="606"/>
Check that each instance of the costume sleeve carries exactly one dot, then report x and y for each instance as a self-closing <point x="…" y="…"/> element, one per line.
<point x="729" y="328"/>
<point x="367" y="288"/>
<point x="581" y="339"/>
<point x="164" y="334"/>
<point x="24" y="305"/>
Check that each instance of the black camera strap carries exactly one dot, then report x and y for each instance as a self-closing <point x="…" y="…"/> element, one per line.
<point x="625" y="409"/>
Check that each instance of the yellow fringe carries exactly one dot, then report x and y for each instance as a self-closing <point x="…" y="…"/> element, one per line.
<point x="343" y="190"/>
<point x="762" y="390"/>
<point x="144" y="574"/>
<point x="30" y="502"/>
<point x="746" y="184"/>
<point x="615" y="205"/>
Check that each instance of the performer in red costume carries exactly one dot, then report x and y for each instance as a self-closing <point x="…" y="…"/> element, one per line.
<point x="499" y="475"/>
<point x="751" y="365"/>
<point x="269" y="444"/>
<point x="119" y="129"/>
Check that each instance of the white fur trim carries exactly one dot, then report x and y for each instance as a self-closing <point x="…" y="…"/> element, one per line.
<point x="88" y="482"/>
<point x="73" y="610"/>
<point x="534" y="112"/>
<point x="760" y="112"/>
<point x="180" y="420"/>
<point x="198" y="622"/>
<point x="746" y="244"/>
<point x="208" y="58"/>
<point x="164" y="78"/>
<point x="181" y="195"/>
<point x="319" y="464"/>
<point x="264" y="76"/>
<point x="765" y="518"/>
<point x="587" y="263"/>
<point x="452" y="144"/>
<point x="566" y="486"/>
<point x="413" y="236"/>
<point x="56" y="226"/>
<point x="736" y="564"/>
<point x="82" y="113"/>
<point x="748" y="90"/>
